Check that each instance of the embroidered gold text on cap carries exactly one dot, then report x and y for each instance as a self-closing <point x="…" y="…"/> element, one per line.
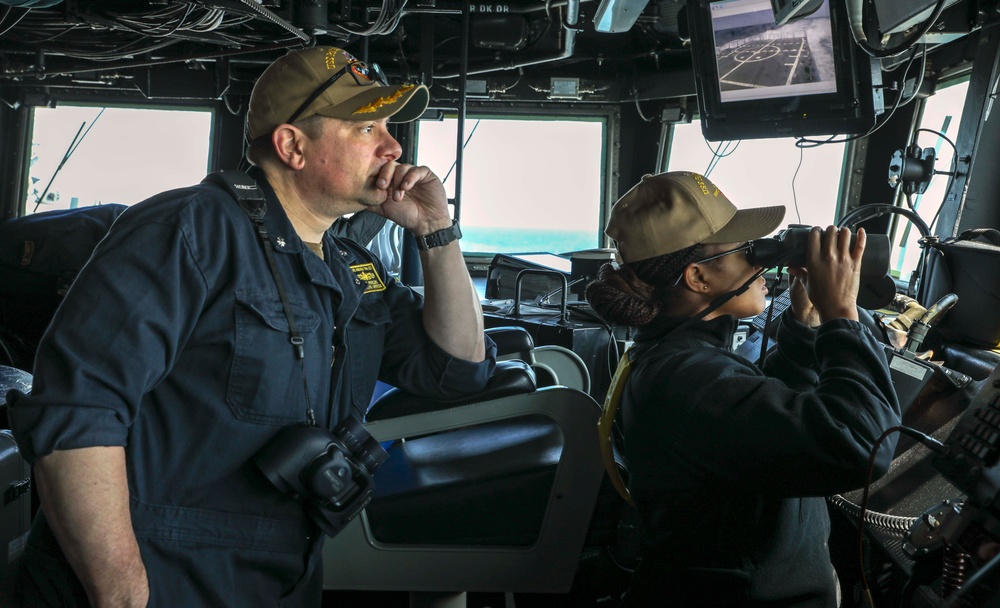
<point x="331" y="58"/>
<point x="384" y="101"/>
<point x="701" y="184"/>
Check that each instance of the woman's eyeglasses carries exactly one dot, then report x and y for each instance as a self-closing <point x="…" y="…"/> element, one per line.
<point x="364" y="75"/>
<point x="746" y="249"/>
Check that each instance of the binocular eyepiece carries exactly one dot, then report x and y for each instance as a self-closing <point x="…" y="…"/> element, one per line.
<point x="788" y="249"/>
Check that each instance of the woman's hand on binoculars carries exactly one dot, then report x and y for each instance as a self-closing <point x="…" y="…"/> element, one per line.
<point x="833" y="271"/>
<point x="802" y="307"/>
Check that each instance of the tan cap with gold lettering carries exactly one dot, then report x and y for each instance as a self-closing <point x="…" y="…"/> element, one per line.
<point x="358" y="93"/>
<point x="672" y="211"/>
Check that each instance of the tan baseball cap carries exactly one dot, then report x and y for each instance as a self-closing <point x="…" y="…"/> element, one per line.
<point x="672" y="211"/>
<point x="356" y="95"/>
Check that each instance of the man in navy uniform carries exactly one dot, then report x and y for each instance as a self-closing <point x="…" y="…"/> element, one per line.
<point x="169" y="365"/>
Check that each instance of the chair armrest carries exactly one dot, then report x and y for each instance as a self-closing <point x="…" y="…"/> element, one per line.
<point x="509" y="378"/>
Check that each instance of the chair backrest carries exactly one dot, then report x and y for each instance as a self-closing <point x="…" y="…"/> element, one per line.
<point x="536" y="451"/>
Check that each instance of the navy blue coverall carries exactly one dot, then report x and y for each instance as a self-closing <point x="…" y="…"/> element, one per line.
<point x="174" y="344"/>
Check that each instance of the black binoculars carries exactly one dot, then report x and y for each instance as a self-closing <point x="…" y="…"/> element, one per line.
<point x="788" y="249"/>
<point x="331" y="473"/>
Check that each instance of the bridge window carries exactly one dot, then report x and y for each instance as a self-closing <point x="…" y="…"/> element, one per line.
<point x="942" y="112"/>
<point x="528" y="185"/>
<point x="113" y="155"/>
<point x="760" y="172"/>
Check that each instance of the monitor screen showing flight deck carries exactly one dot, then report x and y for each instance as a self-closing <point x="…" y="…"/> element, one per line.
<point x="759" y="60"/>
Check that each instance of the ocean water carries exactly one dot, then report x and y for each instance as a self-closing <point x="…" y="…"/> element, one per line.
<point x="479" y="239"/>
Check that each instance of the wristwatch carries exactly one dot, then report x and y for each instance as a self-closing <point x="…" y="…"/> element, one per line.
<point x="439" y="238"/>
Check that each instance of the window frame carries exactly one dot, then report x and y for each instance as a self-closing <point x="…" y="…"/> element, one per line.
<point x="899" y="198"/>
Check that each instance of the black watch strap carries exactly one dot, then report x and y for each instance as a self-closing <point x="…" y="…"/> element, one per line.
<point x="439" y="238"/>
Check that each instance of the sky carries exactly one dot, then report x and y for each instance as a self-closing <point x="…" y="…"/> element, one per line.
<point x="764" y="172"/>
<point x="522" y="173"/>
<point x="126" y="156"/>
<point x="550" y="176"/>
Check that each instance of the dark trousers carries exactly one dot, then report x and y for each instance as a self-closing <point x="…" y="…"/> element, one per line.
<point x="193" y="575"/>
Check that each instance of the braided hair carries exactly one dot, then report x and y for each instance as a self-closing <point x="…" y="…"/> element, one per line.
<point x="635" y="294"/>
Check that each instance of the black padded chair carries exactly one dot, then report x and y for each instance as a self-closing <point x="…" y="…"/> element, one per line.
<point x="490" y="493"/>
<point x="15" y="478"/>
<point x="11" y="378"/>
<point x="553" y="365"/>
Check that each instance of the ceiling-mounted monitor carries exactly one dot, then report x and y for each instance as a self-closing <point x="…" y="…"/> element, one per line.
<point x="756" y="79"/>
<point x="788" y="10"/>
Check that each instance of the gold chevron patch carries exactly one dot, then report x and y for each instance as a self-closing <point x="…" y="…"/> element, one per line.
<point x="384" y="101"/>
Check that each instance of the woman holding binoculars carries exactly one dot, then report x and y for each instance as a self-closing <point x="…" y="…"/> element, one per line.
<point x="728" y="462"/>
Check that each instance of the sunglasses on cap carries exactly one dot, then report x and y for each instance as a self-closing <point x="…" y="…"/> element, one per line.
<point x="746" y="249"/>
<point x="364" y="75"/>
